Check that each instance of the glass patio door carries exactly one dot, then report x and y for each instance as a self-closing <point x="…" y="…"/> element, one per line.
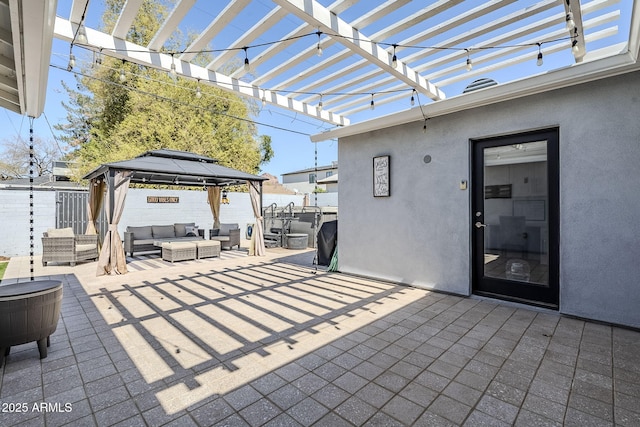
<point x="514" y="218"/>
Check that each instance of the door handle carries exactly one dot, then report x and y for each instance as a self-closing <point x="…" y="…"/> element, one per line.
<point x="478" y="224"/>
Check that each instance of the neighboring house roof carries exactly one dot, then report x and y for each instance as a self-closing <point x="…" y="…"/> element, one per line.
<point x="333" y="179"/>
<point x="174" y="167"/>
<point x="319" y="168"/>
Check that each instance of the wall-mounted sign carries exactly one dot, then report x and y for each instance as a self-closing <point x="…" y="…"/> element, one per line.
<point x="163" y="199"/>
<point x="381" y="184"/>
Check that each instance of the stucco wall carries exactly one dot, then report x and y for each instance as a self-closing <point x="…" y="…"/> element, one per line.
<point x="421" y="234"/>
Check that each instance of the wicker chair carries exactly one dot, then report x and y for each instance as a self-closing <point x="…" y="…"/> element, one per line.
<point x="61" y="245"/>
<point x="228" y="235"/>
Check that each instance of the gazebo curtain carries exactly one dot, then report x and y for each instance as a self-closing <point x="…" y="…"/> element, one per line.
<point x="213" y="195"/>
<point x="96" y="192"/>
<point x="256" y="247"/>
<point x="112" y="256"/>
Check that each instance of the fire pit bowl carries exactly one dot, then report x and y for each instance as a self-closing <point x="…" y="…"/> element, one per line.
<point x="29" y="312"/>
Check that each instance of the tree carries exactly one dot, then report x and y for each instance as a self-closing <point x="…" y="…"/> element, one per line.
<point x="15" y="157"/>
<point x="110" y="120"/>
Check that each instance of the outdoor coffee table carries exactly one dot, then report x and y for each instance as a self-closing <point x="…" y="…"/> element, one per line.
<point x="177" y="251"/>
<point x="207" y="248"/>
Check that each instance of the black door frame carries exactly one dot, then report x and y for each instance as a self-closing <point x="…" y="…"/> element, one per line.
<point x="501" y="288"/>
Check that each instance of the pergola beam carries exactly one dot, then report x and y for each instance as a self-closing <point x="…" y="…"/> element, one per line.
<point x="269" y="20"/>
<point x="127" y="15"/>
<point x="217" y="24"/>
<point x="77" y="9"/>
<point x="318" y="16"/>
<point x="170" y="24"/>
<point x="134" y="53"/>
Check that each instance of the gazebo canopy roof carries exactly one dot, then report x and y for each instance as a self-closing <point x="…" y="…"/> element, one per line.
<point x="172" y="167"/>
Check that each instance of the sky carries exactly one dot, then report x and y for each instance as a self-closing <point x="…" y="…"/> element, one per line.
<point x="293" y="150"/>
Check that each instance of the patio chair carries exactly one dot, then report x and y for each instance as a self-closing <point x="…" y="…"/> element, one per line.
<point x="228" y="235"/>
<point x="62" y="245"/>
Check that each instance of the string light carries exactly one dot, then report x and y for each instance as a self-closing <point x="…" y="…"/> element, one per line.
<point x="264" y="99"/>
<point x="72" y="62"/>
<point x="247" y="67"/>
<point x="319" y="107"/>
<point x="571" y="24"/>
<point x="319" y="48"/>
<point x="123" y="76"/>
<point x="82" y="34"/>
<point x="424" y="126"/>
<point x="539" y="61"/>
<point x="172" y="72"/>
<point x="394" y="60"/>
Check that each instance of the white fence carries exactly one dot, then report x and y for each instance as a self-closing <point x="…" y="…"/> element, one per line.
<point x="191" y="207"/>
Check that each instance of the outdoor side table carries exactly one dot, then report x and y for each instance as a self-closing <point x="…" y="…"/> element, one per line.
<point x="29" y="311"/>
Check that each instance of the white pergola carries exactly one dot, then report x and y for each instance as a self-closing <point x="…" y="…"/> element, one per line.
<point x="431" y="40"/>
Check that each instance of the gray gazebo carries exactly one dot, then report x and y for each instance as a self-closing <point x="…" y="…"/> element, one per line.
<point x="168" y="167"/>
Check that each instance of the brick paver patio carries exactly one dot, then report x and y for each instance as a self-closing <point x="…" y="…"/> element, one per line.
<point x="260" y="341"/>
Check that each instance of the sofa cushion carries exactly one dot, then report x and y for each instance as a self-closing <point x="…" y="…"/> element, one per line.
<point x="60" y="232"/>
<point x="162" y="231"/>
<point x="224" y="229"/>
<point x="140" y="232"/>
<point x="143" y="242"/>
<point x="192" y="231"/>
<point x="180" y="228"/>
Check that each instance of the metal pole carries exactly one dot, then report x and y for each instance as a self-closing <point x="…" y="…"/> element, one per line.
<point x="31" y="156"/>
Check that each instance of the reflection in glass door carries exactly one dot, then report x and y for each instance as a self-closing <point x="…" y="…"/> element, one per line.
<point x="514" y="218"/>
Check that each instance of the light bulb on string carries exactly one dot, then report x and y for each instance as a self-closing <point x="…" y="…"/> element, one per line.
<point x="539" y="61"/>
<point x="373" y="104"/>
<point x="574" y="47"/>
<point x="72" y="62"/>
<point x="198" y="91"/>
<point x="319" y="107"/>
<point x="172" y="72"/>
<point x="123" y="76"/>
<point x="81" y="37"/>
<point x="318" y="47"/>
<point x="571" y="24"/>
<point x="247" y="67"/>
<point x="469" y="63"/>
<point x="413" y="100"/>
<point x="264" y="99"/>
<point x="394" y="59"/>
<point x="424" y="126"/>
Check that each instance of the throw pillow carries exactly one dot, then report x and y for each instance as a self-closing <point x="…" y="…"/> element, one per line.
<point x="191" y="231"/>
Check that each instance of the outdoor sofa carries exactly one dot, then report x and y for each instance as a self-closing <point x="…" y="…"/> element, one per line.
<point x="228" y="235"/>
<point x="62" y="245"/>
<point x="142" y="239"/>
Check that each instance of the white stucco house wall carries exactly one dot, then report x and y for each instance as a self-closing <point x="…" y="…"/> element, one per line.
<point x="304" y="181"/>
<point x="423" y="233"/>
